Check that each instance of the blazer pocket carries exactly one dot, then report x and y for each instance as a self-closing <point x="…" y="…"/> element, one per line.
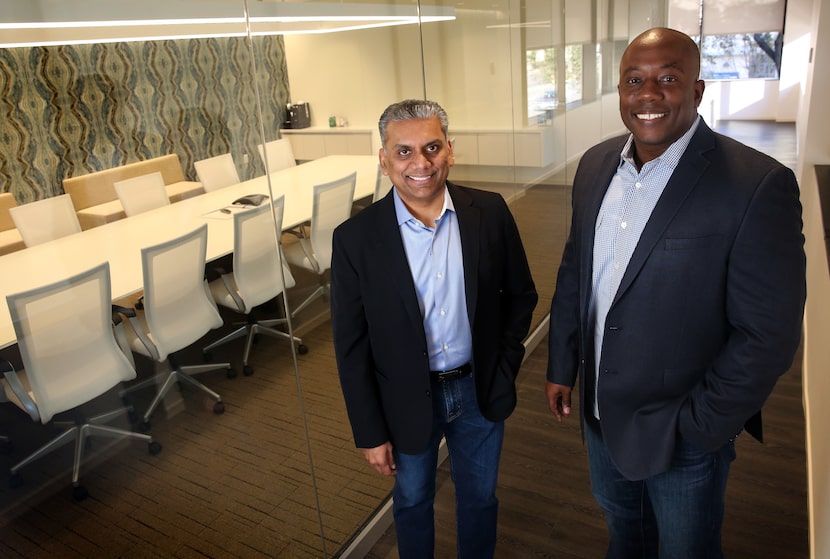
<point x="681" y="381"/>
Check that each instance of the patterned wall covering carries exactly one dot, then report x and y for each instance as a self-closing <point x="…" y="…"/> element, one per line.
<point x="69" y="110"/>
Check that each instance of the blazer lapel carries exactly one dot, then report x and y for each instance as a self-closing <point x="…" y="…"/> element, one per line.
<point x="602" y="179"/>
<point x="392" y="259"/>
<point x="469" y="220"/>
<point x="686" y="175"/>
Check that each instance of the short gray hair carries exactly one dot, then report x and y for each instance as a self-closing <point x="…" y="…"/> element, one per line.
<point x="411" y="109"/>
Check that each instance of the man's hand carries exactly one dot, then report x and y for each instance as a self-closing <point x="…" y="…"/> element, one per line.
<point x="559" y="399"/>
<point x="381" y="459"/>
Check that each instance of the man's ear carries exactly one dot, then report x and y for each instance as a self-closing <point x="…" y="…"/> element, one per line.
<point x="382" y="161"/>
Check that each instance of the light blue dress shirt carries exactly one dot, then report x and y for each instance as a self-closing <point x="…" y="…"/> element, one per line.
<point x="625" y="210"/>
<point x="434" y="255"/>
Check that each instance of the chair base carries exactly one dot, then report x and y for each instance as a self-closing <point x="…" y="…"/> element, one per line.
<point x="321" y="291"/>
<point x="250" y="330"/>
<point x="79" y="434"/>
<point x="178" y="373"/>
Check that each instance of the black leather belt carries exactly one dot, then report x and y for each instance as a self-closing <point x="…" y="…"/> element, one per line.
<point x="451" y="374"/>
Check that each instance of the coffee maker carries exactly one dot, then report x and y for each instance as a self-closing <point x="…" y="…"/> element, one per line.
<point x="299" y="115"/>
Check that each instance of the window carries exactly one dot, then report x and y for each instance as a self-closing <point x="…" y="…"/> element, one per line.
<point x="743" y="55"/>
<point x="741" y="38"/>
<point x="573" y="73"/>
<point x="541" y="85"/>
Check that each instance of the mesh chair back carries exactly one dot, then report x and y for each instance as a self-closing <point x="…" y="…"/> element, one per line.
<point x="45" y="220"/>
<point x="258" y="268"/>
<point x="382" y="185"/>
<point x="177" y="305"/>
<point x="65" y="336"/>
<point x="141" y="194"/>
<point x="279" y="153"/>
<point x="332" y="206"/>
<point x="217" y="172"/>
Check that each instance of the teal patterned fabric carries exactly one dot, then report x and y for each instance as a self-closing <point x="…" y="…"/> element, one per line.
<point x="70" y="110"/>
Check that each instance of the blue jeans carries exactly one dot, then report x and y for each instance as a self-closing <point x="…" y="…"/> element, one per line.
<point x="677" y="514"/>
<point x="474" y="445"/>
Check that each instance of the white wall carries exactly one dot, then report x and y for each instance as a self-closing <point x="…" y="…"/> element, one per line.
<point x="740" y="100"/>
<point x="795" y="59"/>
<point x="473" y="68"/>
<point x="349" y="74"/>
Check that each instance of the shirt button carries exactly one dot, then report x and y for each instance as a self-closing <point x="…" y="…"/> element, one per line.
<point x="446" y="347"/>
<point x="638" y="184"/>
<point x="443" y="312"/>
<point x="439" y="275"/>
<point x="624" y="224"/>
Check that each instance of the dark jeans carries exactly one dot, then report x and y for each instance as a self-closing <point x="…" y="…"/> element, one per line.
<point x="474" y="445"/>
<point x="674" y="515"/>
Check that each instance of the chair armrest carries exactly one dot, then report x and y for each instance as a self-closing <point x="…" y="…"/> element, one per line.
<point x="20" y="395"/>
<point x="118" y="311"/>
<point x="299" y="231"/>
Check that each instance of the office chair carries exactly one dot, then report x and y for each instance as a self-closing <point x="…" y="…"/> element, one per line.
<point x="70" y="357"/>
<point x="217" y="172"/>
<point x="257" y="277"/>
<point x="142" y="193"/>
<point x="279" y="153"/>
<point x="332" y="206"/>
<point x="6" y="445"/>
<point x="45" y="220"/>
<point x="178" y="311"/>
<point x="382" y="186"/>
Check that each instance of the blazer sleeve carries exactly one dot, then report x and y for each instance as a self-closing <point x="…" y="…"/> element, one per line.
<point x="520" y="296"/>
<point x="765" y="294"/>
<point x="352" y="347"/>
<point x="563" y="338"/>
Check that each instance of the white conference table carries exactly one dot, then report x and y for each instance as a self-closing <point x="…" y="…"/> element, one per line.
<point x="120" y="242"/>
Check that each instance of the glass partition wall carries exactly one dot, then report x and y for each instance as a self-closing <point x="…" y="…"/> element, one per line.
<point x="528" y="86"/>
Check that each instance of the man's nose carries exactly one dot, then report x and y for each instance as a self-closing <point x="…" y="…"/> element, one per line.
<point x="650" y="90"/>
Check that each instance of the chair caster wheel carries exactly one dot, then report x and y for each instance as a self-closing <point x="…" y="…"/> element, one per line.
<point x="302" y="349"/>
<point x="231" y="373"/>
<point x="15" y="481"/>
<point x="79" y="493"/>
<point x="247" y="370"/>
<point x="144" y="426"/>
<point x="219" y="407"/>
<point x="132" y="417"/>
<point x="154" y="448"/>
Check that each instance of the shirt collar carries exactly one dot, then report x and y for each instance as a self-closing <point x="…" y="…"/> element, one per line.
<point x="405" y="215"/>
<point x="672" y="154"/>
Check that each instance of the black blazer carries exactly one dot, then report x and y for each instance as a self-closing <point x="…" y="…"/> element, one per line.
<point x="379" y="337"/>
<point x="708" y="313"/>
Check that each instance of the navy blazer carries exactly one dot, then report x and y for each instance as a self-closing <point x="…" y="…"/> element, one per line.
<point x="379" y="338"/>
<point x="708" y="313"/>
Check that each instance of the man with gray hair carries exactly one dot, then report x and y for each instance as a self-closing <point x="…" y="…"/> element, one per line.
<point x="431" y="299"/>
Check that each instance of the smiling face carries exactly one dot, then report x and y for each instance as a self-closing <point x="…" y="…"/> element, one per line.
<point x="417" y="158"/>
<point x="659" y="90"/>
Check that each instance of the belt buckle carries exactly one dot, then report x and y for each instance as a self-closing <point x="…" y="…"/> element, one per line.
<point x="450" y="374"/>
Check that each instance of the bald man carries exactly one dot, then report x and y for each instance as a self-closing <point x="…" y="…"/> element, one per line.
<point x="678" y="305"/>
